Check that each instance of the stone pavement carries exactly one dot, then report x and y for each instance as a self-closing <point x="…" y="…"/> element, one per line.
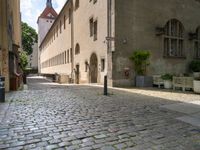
<point x="49" y="116"/>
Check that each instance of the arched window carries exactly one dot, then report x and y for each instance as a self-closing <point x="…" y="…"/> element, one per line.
<point x="174" y="39"/>
<point x="197" y="44"/>
<point x="77" y="49"/>
<point x="76" y="4"/>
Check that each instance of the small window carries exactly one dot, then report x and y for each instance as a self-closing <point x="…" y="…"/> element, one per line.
<point x="86" y="66"/>
<point x="77" y="49"/>
<point x="60" y="26"/>
<point x="71" y="54"/>
<point x="76" y="4"/>
<point x="91" y="27"/>
<point x="102" y="65"/>
<point x="70" y="15"/>
<point x="57" y="30"/>
<point x="94" y="1"/>
<point x="67" y="56"/>
<point x="95" y="30"/>
<point x="64" y="20"/>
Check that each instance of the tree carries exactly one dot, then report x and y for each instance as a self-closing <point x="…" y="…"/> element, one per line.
<point x="29" y="37"/>
<point x="23" y="59"/>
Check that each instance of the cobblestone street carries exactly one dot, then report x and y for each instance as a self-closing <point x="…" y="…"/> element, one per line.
<point x="49" y="116"/>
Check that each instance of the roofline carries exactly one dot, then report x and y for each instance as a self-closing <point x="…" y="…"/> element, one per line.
<point x="54" y="22"/>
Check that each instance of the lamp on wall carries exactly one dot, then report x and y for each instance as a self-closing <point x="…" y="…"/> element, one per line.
<point x="160" y="31"/>
<point x="192" y="36"/>
<point x="124" y="41"/>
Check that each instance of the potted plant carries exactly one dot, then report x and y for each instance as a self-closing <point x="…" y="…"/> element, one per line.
<point x="140" y="59"/>
<point x="195" y="68"/>
<point x="167" y="78"/>
<point x="196" y="85"/>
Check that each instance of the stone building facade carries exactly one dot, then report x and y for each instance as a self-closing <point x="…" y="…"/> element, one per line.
<point x="90" y="39"/>
<point x="10" y="43"/>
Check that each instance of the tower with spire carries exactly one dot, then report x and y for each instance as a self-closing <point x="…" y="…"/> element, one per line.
<point x="45" y="20"/>
<point x="49" y="3"/>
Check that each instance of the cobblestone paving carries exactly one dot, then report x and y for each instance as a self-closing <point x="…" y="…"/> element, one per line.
<point x="79" y="117"/>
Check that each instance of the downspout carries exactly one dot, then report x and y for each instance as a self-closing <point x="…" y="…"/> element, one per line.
<point x="72" y="42"/>
<point x="109" y="44"/>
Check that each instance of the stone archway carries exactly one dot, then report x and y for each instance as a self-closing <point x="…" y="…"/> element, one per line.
<point x="93" y="68"/>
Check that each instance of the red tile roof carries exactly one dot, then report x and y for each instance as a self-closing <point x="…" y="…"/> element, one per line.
<point x="47" y="11"/>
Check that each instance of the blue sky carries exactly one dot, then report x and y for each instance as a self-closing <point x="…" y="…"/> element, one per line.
<point x="31" y="9"/>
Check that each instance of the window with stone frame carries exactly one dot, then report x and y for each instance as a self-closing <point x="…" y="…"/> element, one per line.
<point x="91" y="27"/>
<point x="70" y="16"/>
<point x="95" y="30"/>
<point x="102" y="64"/>
<point x="197" y="44"/>
<point x="64" y="21"/>
<point x="77" y="4"/>
<point x="77" y="49"/>
<point x="174" y="39"/>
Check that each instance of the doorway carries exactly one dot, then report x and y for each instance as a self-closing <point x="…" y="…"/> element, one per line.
<point x="93" y="68"/>
<point x="77" y="73"/>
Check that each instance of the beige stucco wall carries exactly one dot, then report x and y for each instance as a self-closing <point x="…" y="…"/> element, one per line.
<point x="52" y="47"/>
<point x="80" y="34"/>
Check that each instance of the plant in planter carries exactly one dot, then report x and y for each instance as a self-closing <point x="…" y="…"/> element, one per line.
<point x="167" y="78"/>
<point x="195" y="68"/>
<point x="140" y="59"/>
<point x="196" y="85"/>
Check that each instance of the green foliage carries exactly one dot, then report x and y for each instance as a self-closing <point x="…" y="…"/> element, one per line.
<point x="167" y="76"/>
<point x="195" y="66"/>
<point x="29" y="37"/>
<point x="23" y="59"/>
<point x="140" y="59"/>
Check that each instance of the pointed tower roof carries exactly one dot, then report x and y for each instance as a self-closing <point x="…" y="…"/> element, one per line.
<point x="49" y="12"/>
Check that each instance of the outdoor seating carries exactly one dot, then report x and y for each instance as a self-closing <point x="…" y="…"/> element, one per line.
<point x="157" y="80"/>
<point x="183" y="82"/>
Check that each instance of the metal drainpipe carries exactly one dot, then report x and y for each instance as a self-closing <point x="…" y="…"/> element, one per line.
<point x="72" y="39"/>
<point x="109" y="31"/>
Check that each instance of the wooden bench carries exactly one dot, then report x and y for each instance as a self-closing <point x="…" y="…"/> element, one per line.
<point x="183" y="82"/>
<point x="157" y="80"/>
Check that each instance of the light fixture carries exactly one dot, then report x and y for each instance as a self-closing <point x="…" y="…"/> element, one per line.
<point x="160" y="31"/>
<point x="192" y="36"/>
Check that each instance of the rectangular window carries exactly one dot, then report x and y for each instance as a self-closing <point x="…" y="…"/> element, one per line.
<point x="57" y="30"/>
<point x="64" y="22"/>
<point x="70" y="15"/>
<point x="94" y="1"/>
<point x="102" y="65"/>
<point x="95" y="30"/>
<point x="91" y="27"/>
<point x="86" y="66"/>
<point x="71" y="53"/>
<point x="60" y="26"/>
<point x="67" y="56"/>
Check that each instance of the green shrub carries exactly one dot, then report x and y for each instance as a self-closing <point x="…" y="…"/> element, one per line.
<point x="140" y="59"/>
<point x="195" y="66"/>
<point x="167" y="76"/>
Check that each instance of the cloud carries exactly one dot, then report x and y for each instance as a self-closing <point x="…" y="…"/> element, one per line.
<point x="59" y="4"/>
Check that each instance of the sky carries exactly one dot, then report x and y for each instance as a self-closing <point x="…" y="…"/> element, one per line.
<point x="31" y="9"/>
